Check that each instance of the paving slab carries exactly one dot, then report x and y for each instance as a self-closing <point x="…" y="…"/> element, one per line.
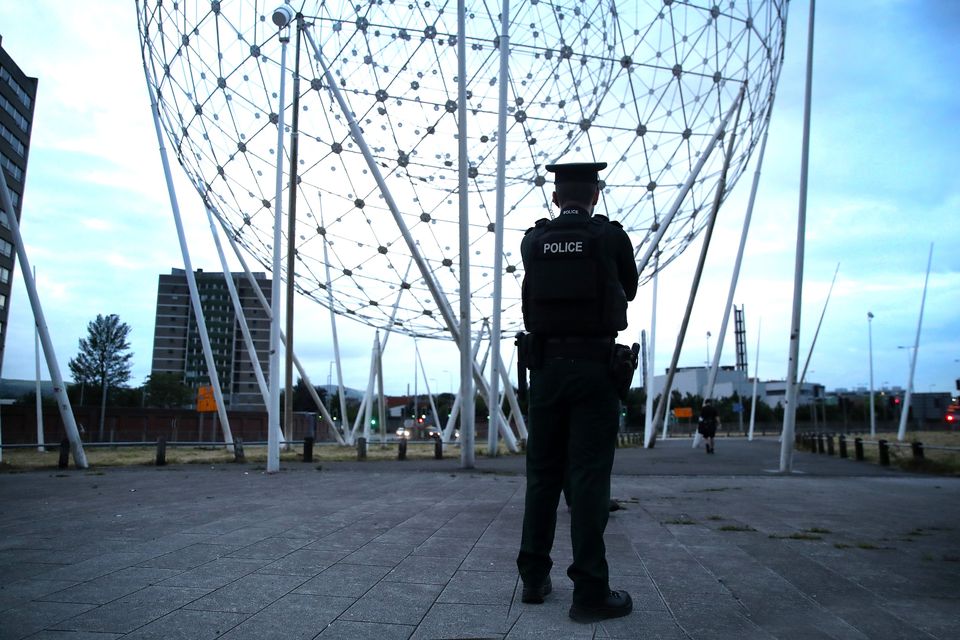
<point x="714" y="546"/>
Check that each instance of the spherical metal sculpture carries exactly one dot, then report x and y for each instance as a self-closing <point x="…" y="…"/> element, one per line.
<point x="642" y="85"/>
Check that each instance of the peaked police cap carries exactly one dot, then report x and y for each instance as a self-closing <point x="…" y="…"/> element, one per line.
<point x="577" y="171"/>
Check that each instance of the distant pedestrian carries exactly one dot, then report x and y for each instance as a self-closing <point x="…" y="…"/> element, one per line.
<point x="707" y="424"/>
<point x="580" y="274"/>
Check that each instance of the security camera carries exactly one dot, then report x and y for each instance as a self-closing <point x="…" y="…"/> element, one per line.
<point x="283" y="15"/>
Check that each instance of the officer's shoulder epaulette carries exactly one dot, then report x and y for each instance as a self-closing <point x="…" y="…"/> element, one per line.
<point x="539" y="223"/>
<point x="602" y="218"/>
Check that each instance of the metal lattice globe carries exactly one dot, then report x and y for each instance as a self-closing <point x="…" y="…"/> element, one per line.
<point x="642" y="85"/>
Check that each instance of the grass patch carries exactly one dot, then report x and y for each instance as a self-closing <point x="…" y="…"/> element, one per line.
<point x="934" y="462"/>
<point x="24" y="459"/>
<point x="679" y="521"/>
<point x="736" y="527"/>
<point x="840" y="545"/>
<point x="714" y="517"/>
<point x="796" y="536"/>
<point x="817" y="530"/>
<point x="867" y="546"/>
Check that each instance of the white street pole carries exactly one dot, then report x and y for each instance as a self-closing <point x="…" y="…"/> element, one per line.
<point x="756" y="378"/>
<point x="648" y="429"/>
<point x="467" y="411"/>
<point x="494" y="398"/>
<point x="273" y="410"/>
<point x="873" y="415"/>
<point x="59" y="390"/>
<point x="790" y="410"/>
<point x="36" y="353"/>
<point x="905" y="412"/>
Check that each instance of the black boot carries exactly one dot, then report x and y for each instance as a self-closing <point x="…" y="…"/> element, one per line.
<point x="617" y="604"/>
<point x="535" y="593"/>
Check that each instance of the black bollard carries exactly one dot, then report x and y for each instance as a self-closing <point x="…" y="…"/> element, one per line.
<point x="361" y="448"/>
<point x="917" y="448"/>
<point x="858" y="449"/>
<point x="308" y="449"/>
<point x="161" y="451"/>
<point x="238" y="450"/>
<point x="438" y="449"/>
<point x="884" y="451"/>
<point x="402" y="449"/>
<point x="842" y="440"/>
<point x="64" y="461"/>
<point x="820" y="447"/>
<point x="830" y="444"/>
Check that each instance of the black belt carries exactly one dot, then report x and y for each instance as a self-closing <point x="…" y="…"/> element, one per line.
<point x="582" y="347"/>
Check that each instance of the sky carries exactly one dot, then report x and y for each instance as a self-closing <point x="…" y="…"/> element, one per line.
<point x="882" y="187"/>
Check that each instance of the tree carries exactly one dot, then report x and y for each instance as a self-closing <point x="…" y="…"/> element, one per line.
<point x="167" y="390"/>
<point x="102" y="358"/>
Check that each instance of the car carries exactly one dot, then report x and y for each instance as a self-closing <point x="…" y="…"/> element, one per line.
<point x="403" y="433"/>
<point x="952" y="417"/>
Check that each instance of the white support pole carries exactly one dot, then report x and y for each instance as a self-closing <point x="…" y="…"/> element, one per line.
<point x="381" y="399"/>
<point x="467" y="412"/>
<point x="336" y="341"/>
<point x="803" y="376"/>
<point x="59" y="390"/>
<point x="238" y="312"/>
<point x="905" y="412"/>
<point x="426" y="383"/>
<point x="273" y="409"/>
<point x="790" y="410"/>
<point x="735" y="277"/>
<point x="648" y="429"/>
<point x="36" y="354"/>
<point x="756" y="378"/>
<point x="511" y="397"/>
<point x="188" y="269"/>
<point x="708" y="234"/>
<point x="368" y="398"/>
<point x="687" y="185"/>
<point x="495" y="338"/>
<point x="357" y="135"/>
<point x="255" y="287"/>
<point x="448" y="431"/>
<point x="873" y="415"/>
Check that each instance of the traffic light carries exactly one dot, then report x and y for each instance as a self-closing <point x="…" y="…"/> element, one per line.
<point x="373" y="422"/>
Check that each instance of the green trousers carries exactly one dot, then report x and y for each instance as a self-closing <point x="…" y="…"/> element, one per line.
<point x="573" y="417"/>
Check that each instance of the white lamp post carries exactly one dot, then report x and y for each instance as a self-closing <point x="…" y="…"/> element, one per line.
<point x="873" y="415"/>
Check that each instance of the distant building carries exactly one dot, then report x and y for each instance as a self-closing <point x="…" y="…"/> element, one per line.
<point x="176" y="340"/>
<point x="730" y="381"/>
<point x="17" y="95"/>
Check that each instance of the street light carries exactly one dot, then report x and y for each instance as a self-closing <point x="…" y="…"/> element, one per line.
<point x="708" y="348"/>
<point x="873" y="416"/>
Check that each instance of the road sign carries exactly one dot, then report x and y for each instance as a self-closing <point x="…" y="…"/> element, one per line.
<point x="683" y="412"/>
<point x="737" y="407"/>
<point x="206" y="403"/>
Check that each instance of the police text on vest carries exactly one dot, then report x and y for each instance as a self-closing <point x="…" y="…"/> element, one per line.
<point x="573" y="246"/>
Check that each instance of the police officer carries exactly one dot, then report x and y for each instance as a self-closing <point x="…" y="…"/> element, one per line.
<point x="579" y="276"/>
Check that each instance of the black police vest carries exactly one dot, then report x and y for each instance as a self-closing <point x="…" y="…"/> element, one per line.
<point x="570" y="289"/>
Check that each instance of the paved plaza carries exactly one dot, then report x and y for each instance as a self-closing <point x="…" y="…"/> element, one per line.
<point x="708" y="546"/>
